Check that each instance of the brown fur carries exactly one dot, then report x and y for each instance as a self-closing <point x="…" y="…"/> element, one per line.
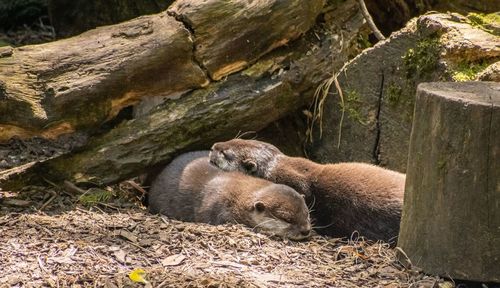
<point x="347" y="197"/>
<point x="191" y="189"/>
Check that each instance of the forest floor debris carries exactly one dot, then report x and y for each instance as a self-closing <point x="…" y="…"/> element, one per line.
<point x="70" y="244"/>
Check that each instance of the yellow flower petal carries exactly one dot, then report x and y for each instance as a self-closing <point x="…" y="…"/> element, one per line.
<point x="137" y="275"/>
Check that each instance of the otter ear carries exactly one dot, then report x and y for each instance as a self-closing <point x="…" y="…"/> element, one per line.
<point x="249" y="165"/>
<point x="259" y="206"/>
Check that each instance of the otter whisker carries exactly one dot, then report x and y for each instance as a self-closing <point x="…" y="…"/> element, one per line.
<point x="313" y="202"/>
<point x="241" y="135"/>
<point x="261" y="223"/>
<point x="321" y="227"/>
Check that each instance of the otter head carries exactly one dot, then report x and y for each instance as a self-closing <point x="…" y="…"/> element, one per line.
<point x="280" y="210"/>
<point x="248" y="156"/>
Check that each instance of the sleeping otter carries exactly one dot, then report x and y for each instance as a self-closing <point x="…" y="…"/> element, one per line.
<point x="347" y="197"/>
<point x="191" y="189"/>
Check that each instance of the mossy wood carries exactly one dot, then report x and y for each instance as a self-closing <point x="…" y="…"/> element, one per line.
<point x="451" y="216"/>
<point x="279" y="83"/>
<point x="80" y="82"/>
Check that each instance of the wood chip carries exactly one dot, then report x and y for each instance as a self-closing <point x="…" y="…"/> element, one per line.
<point x="128" y="235"/>
<point x="173" y="260"/>
<point x="120" y="256"/>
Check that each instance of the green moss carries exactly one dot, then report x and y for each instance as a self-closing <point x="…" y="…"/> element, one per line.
<point x="397" y="97"/>
<point x="467" y="71"/>
<point x="258" y="69"/>
<point x="394" y="94"/>
<point x="352" y="105"/>
<point x="486" y="22"/>
<point x="4" y="43"/>
<point x="363" y="42"/>
<point x="94" y="196"/>
<point x="423" y="59"/>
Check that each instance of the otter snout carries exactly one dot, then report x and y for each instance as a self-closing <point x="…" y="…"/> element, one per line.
<point x="300" y="233"/>
<point x="225" y="159"/>
<point x="217" y="148"/>
<point x="215" y="155"/>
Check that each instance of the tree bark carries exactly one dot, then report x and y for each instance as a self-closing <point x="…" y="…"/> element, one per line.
<point x="81" y="82"/>
<point x="279" y="83"/>
<point x="451" y="216"/>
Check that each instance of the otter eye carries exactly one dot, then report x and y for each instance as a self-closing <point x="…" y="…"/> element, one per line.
<point x="228" y="155"/>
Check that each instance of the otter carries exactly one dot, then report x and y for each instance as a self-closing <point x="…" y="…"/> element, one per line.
<point x="191" y="189"/>
<point x="347" y="197"/>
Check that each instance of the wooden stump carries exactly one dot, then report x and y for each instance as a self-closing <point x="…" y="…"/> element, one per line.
<point x="451" y="217"/>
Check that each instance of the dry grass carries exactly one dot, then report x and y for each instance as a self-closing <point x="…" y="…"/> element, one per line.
<point x="316" y="110"/>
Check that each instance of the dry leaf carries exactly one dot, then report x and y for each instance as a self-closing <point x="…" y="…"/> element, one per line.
<point x="173" y="260"/>
<point x="120" y="256"/>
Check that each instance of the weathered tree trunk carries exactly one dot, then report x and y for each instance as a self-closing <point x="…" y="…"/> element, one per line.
<point x="451" y="216"/>
<point x="279" y="83"/>
<point x="81" y="82"/>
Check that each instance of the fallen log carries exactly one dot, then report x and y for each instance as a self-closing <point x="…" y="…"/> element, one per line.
<point x="451" y="219"/>
<point x="279" y="83"/>
<point x="78" y="83"/>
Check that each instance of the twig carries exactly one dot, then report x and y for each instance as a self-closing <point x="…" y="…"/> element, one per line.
<point x="369" y="20"/>
<point x="42" y="266"/>
<point x="136" y="187"/>
<point x="341" y="95"/>
<point x="70" y="187"/>
<point x="54" y="195"/>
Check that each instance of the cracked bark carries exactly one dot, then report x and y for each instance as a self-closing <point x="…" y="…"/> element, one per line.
<point x="81" y="82"/>
<point x="243" y="31"/>
<point x="193" y="37"/>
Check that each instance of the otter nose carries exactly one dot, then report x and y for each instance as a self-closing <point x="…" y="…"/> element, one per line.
<point x="305" y="232"/>
<point x="214" y="147"/>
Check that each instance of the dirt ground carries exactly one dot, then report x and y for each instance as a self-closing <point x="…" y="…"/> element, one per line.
<point x="69" y="244"/>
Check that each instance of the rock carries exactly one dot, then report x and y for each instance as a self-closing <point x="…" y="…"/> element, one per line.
<point x="492" y="73"/>
<point x="379" y="87"/>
